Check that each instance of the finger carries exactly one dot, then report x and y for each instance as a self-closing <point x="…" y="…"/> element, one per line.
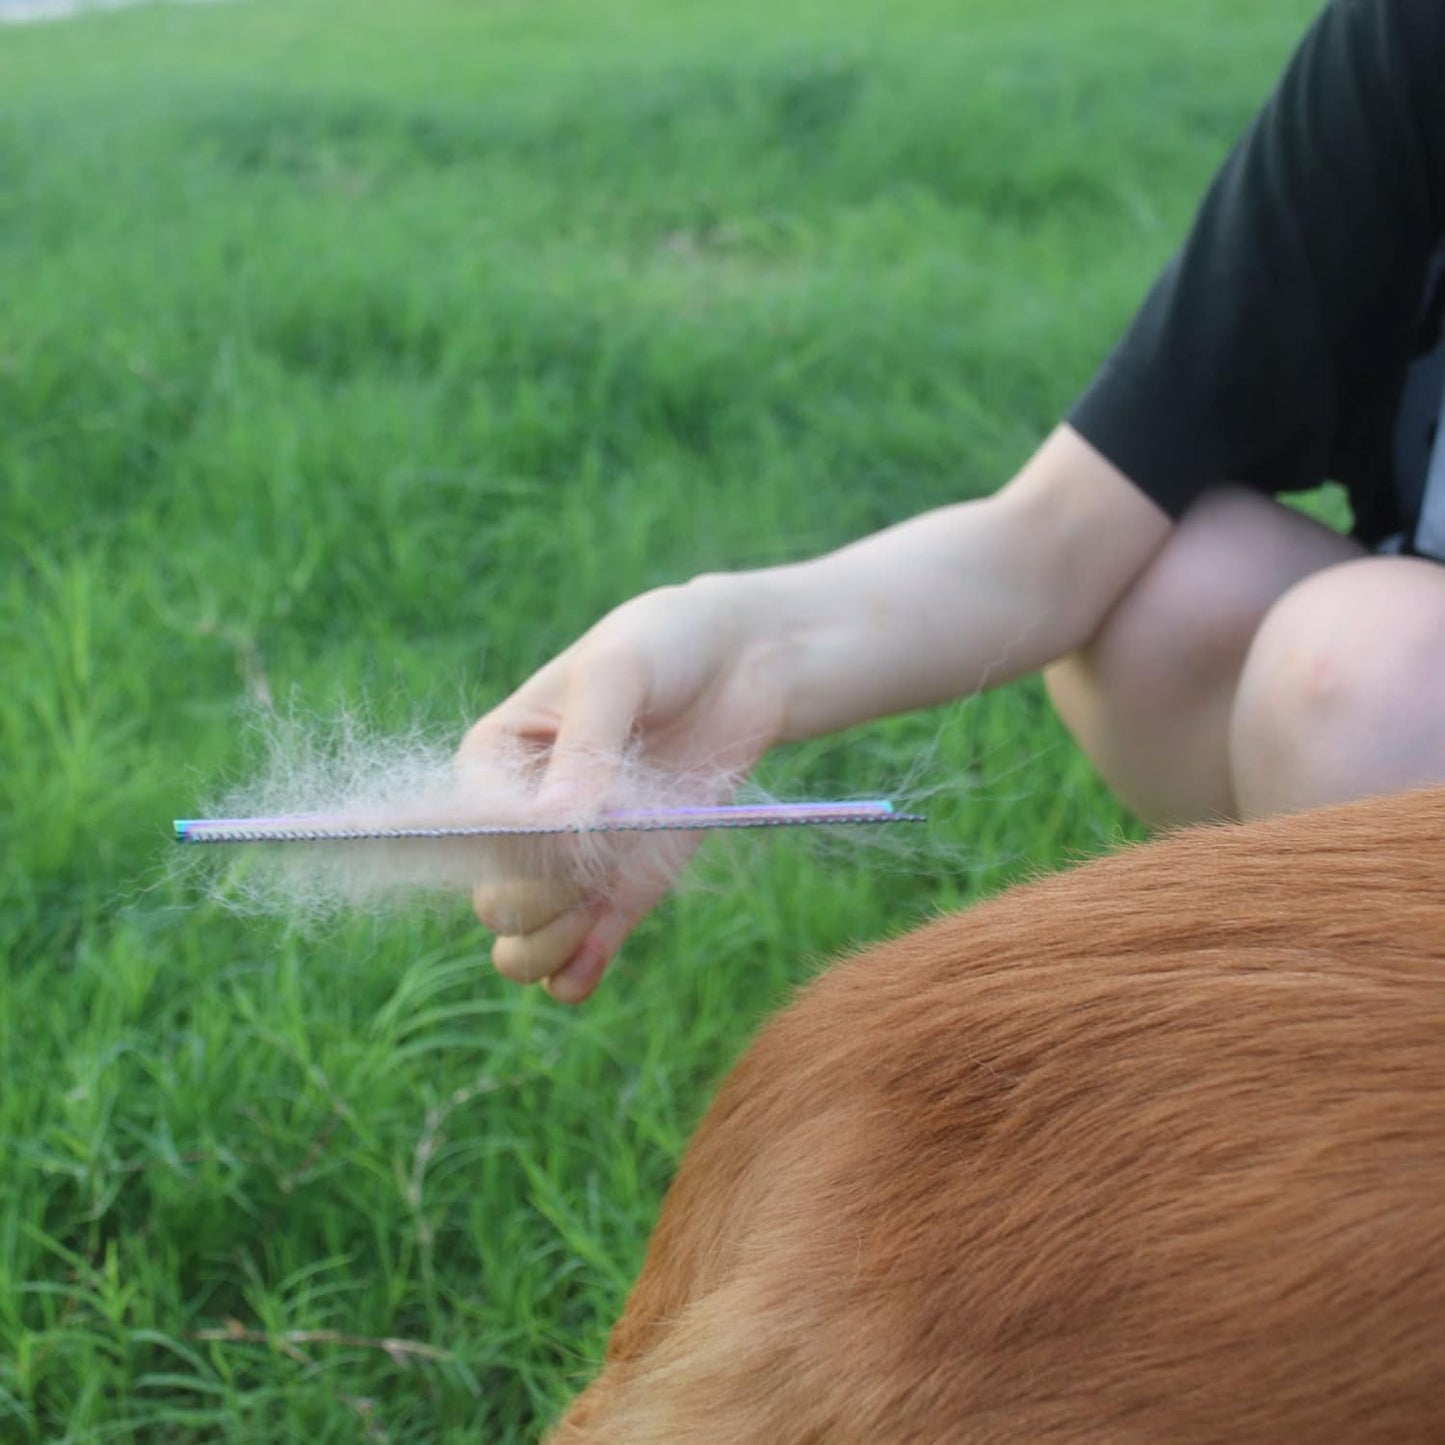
<point x="525" y="721"/>
<point x="578" y="980"/>
<point x="528" y="957"/>
<point x="526" y="905"/>
<point x="494" y="770"/>
<point x="602" y="708"/>
<point x="505" y="729"/>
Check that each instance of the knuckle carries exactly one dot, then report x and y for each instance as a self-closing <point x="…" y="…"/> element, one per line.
<point x="494" y="909"/>
<point x="520" y="964"/>
<point x="522" y="908"/>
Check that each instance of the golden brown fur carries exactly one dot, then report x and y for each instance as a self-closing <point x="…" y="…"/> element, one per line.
<point x="1150" y="1151"/>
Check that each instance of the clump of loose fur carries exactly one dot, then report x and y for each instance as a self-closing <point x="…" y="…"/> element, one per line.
<point x="352" y="773"/>
<point x="357" y="778"/>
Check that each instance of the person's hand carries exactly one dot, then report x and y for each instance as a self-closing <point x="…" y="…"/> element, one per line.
<point x="672" y="681"/>
<point x="701" y="680"/>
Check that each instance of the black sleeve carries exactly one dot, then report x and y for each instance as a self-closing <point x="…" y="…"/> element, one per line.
<point x="1265" y="335"/>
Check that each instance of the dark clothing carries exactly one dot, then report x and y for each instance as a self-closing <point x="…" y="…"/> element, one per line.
<point x="1296" y="337"/>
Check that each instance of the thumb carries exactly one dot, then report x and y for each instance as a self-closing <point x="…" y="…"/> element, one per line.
<point x="597" y="725"/>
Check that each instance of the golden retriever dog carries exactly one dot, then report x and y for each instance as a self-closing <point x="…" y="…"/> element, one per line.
<point x="1149" y="1151"/>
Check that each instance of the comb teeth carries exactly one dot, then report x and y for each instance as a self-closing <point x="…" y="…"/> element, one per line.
<point x="302" y="828"/>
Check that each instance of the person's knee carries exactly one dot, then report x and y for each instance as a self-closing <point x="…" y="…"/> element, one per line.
<point x="1173" y="639"/>
<point x="1342" y="693"/>
<point x="1149" y="698"/>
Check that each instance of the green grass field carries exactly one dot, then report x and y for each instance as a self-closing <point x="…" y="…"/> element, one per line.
<point x="355" y="351"/>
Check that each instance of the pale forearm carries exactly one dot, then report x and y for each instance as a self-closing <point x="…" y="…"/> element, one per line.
<point x="955" y="600"/>
<point x="703" y="678"/>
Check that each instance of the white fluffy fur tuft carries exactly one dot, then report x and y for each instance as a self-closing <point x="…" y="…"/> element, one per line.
<point x="351" y="775"/>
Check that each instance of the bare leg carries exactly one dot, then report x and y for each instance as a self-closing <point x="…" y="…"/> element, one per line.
<point x="1343" y="692"/>
<point x="1152" y="698"/>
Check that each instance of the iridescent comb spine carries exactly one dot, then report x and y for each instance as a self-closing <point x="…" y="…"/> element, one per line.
<point x="323" y="828"/>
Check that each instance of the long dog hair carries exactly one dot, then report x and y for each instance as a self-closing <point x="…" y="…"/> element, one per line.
<point x="1153" y="1150"/>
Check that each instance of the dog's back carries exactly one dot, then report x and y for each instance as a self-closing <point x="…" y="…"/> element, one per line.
<point x="1153" y="1150"/>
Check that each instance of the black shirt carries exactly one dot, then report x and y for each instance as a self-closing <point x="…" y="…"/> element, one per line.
<point x="1296" y="335"/>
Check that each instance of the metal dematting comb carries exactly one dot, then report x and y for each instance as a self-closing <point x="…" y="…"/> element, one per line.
<point x="323" y="828"/>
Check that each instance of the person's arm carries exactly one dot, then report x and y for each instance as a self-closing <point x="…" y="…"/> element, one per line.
<point x="955" y="600"/>
<point x="710" y="674"/>
<point x="1270" y="350"/>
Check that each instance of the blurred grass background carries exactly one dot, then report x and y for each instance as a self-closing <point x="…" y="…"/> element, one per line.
<point x="373" y="351"/>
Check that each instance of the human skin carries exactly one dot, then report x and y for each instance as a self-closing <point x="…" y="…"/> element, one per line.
<point x="712" y="673"/>
<point x="1243" y="661"/>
